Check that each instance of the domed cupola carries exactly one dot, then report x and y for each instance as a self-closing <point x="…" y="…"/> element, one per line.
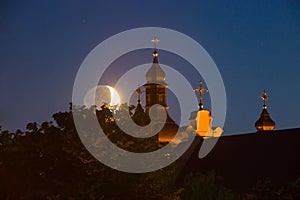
<point x="264" y="123"/>
<point x="156" y="93"/>
<point x="155" y="74"/>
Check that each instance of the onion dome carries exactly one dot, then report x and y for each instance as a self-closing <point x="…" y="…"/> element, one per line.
<point x="264" y="123"/>
<point x="155" y="74"/>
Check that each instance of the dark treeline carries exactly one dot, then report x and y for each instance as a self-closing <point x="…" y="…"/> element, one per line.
<point x="48" y="161"/>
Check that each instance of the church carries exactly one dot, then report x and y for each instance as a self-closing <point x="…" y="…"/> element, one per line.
<point x="156" y="93"/>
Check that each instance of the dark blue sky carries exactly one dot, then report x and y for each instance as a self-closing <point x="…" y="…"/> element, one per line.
<point x="255" y="44"/>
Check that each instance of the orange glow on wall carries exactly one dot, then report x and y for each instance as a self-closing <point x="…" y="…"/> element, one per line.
<point x="203" y="122"/>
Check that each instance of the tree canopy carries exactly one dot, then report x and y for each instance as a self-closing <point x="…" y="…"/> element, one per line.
<point x="49" y="161"/>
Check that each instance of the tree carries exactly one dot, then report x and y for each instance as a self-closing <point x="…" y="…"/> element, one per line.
<point x="204" y="186"/>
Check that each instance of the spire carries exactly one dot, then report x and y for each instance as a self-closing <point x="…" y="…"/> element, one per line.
<point x="155" y="53"/>
<point x="264" y="123"/>
<point x="156" y="93"/>
<point x="140" y="117"/>
<point x="155" y="74"/>
<point x="139" y="92"/>
<point x="264" y="97"/>
<point x="139" y="108"/>
<point x="201" y="90"/>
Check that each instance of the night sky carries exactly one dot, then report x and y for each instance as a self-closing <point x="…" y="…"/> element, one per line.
<point x="255" y="44"/>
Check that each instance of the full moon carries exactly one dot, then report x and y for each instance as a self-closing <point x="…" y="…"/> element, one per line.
<point x="101" y="94"/>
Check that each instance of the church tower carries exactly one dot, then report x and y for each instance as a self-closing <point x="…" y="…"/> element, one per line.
<point x="156" y="93"/>
<point x="156" y="87"/>
<point x="139" y="116"/>
<point x="265" y="123"/>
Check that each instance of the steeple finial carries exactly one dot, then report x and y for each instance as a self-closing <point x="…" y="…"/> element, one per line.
<point x="138" y="91"/>
<point x="264" y="97"/>
<point x="155" y="41"/>
<point x="155" y="54"/>
<point x="139" y="109"/>
<point x="201" y="90"/>
<point x="264" y="123"/>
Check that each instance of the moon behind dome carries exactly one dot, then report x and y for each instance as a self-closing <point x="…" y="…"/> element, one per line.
<point x="101" y="94"/>
<point x="114" y="96"/>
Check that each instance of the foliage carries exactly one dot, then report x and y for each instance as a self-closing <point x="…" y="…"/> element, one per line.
<point x="48" y="161"/>
<point x="204" y="186"/>
<point x="265" y="189"/>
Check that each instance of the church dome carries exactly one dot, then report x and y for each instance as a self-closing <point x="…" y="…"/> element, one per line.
<point x="265" y="123"/>
<point x="156" y="75"/>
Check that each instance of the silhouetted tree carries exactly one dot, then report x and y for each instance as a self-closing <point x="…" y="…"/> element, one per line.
<point x="205" y="186"/>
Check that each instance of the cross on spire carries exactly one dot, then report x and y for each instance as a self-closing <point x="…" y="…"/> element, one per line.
<point x="155" y="54"/>
<point x="201" y="90"/>
<point x="264" y="97"/>
<point x="155" y="41"/>
<point x="138" y="91"/>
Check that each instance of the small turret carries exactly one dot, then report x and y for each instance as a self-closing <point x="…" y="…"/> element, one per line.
<point x="264" y="123"/>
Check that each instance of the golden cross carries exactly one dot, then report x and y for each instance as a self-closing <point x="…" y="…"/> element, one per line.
<point x="264" y="97"/>
<point x="155" y="41"/>
<point x="201" y="90"/>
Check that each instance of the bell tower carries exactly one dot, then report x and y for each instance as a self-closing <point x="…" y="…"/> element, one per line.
<point x="156" y="93"/>
<point x="156" y="87"/>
